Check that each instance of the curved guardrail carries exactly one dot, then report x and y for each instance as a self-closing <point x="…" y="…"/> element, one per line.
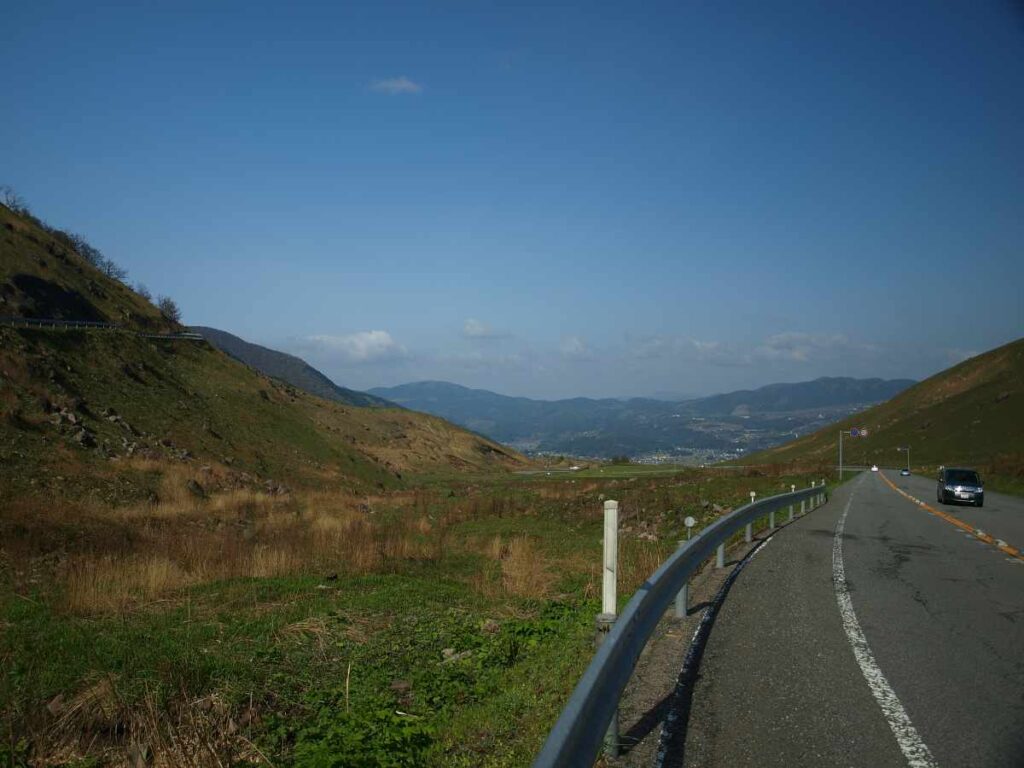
<point x="577" y="736"/>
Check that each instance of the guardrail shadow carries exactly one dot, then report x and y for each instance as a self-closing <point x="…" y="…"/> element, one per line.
<point x="674" y="710"/>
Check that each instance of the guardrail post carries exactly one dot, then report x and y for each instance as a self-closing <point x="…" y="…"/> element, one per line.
<point x="682" y="596"/>
<point x="803" y="510"/>
<point x="792" y="489"/>
<point x="821" y="495"/>
<point x="748" y="534"/>
<point x="720" y="556"/>
<point x="810" y="500"/>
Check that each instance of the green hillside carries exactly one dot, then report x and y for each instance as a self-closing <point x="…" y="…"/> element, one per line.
<point x="288" y="368"/>
<point x="80" y="408"/>
<point x="972" y="413"/>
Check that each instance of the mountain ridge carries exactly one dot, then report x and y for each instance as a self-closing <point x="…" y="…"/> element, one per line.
<point x="606" y="427"/>
<point x="289" y="368"/>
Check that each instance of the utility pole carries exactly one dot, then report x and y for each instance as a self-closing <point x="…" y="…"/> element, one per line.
<point x="907" y="449"/>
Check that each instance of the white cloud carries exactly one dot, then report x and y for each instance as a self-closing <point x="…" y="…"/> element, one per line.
<point x="361" y="347"/>
<point x="475" y="329"/>
<point x="797" y="347"/>
<point x="575" y="348"/>
<point x="395" y="86"/>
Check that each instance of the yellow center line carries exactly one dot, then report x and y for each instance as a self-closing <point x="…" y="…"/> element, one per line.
<point x="953" y="520"/>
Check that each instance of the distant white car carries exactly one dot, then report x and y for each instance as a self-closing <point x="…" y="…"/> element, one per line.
<point x="874" y="467"/>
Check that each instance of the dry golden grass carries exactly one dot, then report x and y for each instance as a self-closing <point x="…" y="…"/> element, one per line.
<point x="523" y="569"/>
<point x="106" y="583"/>
<point x="637" y="561"/>
<point x="185" y="540"/>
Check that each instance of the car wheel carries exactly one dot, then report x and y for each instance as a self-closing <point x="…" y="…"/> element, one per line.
<point x="979" y="503"/>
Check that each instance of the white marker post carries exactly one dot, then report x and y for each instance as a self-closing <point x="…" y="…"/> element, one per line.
<point x="748" y="535"/>
<point x="792" y="489"/>
<point x="606" y="618"/>
<point x="611" y="557"/>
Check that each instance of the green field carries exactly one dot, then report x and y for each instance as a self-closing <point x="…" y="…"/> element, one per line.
<point x="457" y="646"/>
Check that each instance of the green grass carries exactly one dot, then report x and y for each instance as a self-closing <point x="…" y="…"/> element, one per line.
<point x="287" y="645"/>
<point x="971" y="414"/>
<point x="232" y="639"/>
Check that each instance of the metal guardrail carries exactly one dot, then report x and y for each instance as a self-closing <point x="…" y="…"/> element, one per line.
<point x="48" y="322"/>
<point x="577" y="736"/>
<point x="36" y="322"/>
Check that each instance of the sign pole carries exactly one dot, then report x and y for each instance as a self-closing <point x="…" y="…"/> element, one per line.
<point x="840" y="455"/>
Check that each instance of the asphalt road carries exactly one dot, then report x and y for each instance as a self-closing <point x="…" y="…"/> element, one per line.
<point x="935" y="675"/>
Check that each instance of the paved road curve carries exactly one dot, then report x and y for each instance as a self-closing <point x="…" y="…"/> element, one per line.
<point x="899" y="642"/>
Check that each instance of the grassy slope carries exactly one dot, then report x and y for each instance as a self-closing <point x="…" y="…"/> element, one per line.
<point x="184" y="393"/>
<point x="42" y="276"/>
<point x="972" y="413"/>
<point x="289" y="368"/>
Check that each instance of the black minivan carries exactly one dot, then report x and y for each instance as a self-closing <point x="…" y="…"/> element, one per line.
<point x="960" y="484"/>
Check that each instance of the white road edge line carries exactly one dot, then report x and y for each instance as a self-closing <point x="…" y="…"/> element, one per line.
<point x="914" y="749"/>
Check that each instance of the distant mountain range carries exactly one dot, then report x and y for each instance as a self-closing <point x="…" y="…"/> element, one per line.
<point x="289" y="368"/>
<point x="719" y="426"/>
<point x="700" y="429"/>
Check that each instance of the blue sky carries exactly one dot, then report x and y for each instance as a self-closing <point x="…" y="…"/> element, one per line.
<point x="548" y="200"/>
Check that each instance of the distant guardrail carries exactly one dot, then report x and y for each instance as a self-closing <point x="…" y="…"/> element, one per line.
<point x="577" y="736"/>
<point x="59" y="323"/>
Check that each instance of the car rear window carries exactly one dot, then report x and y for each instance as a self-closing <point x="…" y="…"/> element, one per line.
<point x="962" y="476"/>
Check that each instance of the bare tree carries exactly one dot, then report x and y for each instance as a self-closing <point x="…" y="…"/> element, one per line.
<point x="143" y="291"/>
<point x="13" y="200"/>
<point x="168" y="308"/>
<point x="109" y="268"/>
<point x="86" y="251"/>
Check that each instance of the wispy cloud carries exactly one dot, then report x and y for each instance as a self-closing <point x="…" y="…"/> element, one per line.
<point x="798" y="347"/>
<point x="711" y="352"/>
<point x="361" y="347"/>
<point x="395" y="86"/>
<point x="476" y="329"/>
<point x="575" y="348"/>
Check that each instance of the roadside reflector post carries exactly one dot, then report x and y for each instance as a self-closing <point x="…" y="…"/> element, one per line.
<point x="792" y="489"/>
<point x="803" y="511"/>
<point x="606" y="619"/>
<point x="748" y="534"/>
<point x="822" y="494"/>
<point x="720" y="556"/>
<point x="810" y="501"/>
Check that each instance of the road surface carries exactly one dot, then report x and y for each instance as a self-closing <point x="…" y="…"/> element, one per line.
<point x="869" y="633"/>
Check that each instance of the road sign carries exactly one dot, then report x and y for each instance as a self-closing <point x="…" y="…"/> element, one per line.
<point x="854" y="432"/>
<point x="863" y="432"/>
